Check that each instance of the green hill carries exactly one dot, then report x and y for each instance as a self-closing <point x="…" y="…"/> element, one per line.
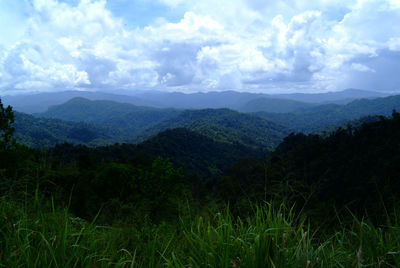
<point x="128" y="118"/>
<point x="273" y="105"/>
<point x="137" y="123"/>
<point x="42" y="132"/>
<point x="322" y="117"/>
<point x="224" y="125"/>
<point x="193" y="152"/>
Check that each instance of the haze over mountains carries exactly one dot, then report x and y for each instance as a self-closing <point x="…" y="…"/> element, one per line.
<point x="246" y="119"/>
<point x="40" y="102"/>
<point x="327" y="117"/>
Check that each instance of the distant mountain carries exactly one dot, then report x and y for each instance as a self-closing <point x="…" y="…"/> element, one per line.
<point x="128" y="118"/>
<point x="273" y="105"/>
<point x="40" y="102"/>
<point x="224" y="125"/>
<point x="322" y="117"/>
<point x="339" y="97"/>
<point x="214" y="100"/>
<point x="140" y="123"/>
<point x="37" y="103"/>
<point x="40" y="132"/>
<point x="235" y="100"/>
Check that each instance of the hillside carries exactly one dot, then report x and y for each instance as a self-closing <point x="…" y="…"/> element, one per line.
<point x="338" y="97"/>
<point x="224" y="125"/>
<point x="140" y="123"/>
<point x="352" y="166"/>
<point x="273" y="105"/>
<point x="235" y="100"/>
<point x="192" y="152"/>
<point x="40" y="102"/>
<point x="41" y="132"/>
<point x="322" y="117"/>
<point x="128" y="118"/>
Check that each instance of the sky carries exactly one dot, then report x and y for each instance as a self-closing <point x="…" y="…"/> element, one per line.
<point x="267" y="46"/>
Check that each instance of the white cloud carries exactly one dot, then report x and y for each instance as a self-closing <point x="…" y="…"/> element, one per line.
<point x="240" y="44"/>
<point x="394" y="44"/>
<point x="361" y="68"/>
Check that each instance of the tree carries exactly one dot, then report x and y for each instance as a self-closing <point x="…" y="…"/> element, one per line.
<point x="6" y="130"/>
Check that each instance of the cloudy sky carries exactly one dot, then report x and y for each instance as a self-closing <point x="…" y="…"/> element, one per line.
<point x="265" y="46"/>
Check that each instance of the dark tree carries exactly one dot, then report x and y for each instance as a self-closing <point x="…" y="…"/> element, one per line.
<point x="6" y="130"/>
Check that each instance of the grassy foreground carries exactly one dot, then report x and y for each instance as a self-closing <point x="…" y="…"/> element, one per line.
<point x="36" y="235"/>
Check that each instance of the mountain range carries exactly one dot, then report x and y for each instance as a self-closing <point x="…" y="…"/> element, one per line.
<point x="327" y="117"/>
<point x="40" y="102"/>
<point x="140" y="123"/>
<point x="260" y="123"/>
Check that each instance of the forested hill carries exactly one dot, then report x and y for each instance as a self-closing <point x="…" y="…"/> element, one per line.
<point x="193" y="152"/>
<point x="224" y="125"/>
<point x="41" y="132"/>
<point x="140" y="123"/>
<point x="129" y="118"/>
<point x="274" y="105"/>
<point x="322" y="117"/>
<point x="40" y="102"/>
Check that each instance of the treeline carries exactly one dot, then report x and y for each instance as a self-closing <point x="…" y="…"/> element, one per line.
<point x="354" y="168"/>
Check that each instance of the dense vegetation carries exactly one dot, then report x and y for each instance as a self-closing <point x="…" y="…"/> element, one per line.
<point x="322" y="117"/>
<point x="195" y="153"/>
<point x="43" y="133"/>
<point x="127" y="118"/>
<point x="224" y="125"/>
<point x="314" y="202"/>
<point x="107" y="122"/>
<point x="273" y="105"/>
<point x="135" y="123"/>
<point x="354" y="167"/>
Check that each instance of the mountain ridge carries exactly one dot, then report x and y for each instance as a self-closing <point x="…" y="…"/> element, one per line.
<point x="40" y="102"/>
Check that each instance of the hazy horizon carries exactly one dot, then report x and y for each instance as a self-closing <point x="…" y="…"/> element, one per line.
<point x="141" y="92"/>
<point x="252" y="46"/>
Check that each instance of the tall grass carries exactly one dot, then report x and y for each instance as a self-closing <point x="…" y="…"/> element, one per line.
<point x="37" y="234"/>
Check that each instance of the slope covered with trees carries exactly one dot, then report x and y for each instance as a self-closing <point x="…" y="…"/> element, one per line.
<point x="273" y="105"/>
<point x="140" y="123"/>
<point x="224" y="125"/>
<point x="354" y="167"/>
<point x="128" y="118"/>
<point x="43" y="133"/>
<point x="322" y="117"/>
<point x="193" y="152"/>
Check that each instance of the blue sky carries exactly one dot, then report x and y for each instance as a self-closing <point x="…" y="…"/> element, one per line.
<point x="188" y="46"/>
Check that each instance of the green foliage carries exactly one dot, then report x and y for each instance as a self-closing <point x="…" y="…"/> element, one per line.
<point x="195" y="153"/>
<point x="356" y="167"/>
<point x="127" y="118"/>
<point x="274" y="105"/>
<point x="37" y="234"/>
<point x="325" y="117"/>
<point x="119" y="122"/>
<point x="6" y="130"/>
<point x="42" y="236"/>
<point x="44" y="133"/>
<point x="224" y="125"/>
